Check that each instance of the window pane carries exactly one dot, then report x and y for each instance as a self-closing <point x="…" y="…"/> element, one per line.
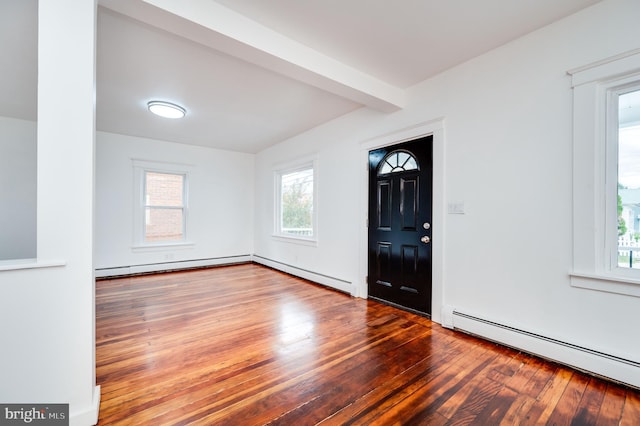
<point x="629" y="180"/>
<point x="297" y="203"/>
<point x="164" y="189"/>
<point x="393" y="160"/>
<point x="402" y="159"/>
<point x="386" y="168"/>
<point x="411" y="164"/>
<point x="163" y="224"/>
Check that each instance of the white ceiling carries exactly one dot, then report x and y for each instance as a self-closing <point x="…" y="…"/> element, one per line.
<point x="404" y="42"/>
<point x="230" y="103"/>
<point x="252" y="73"/>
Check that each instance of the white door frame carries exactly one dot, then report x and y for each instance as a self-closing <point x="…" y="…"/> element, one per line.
<point x="435" y="128"/>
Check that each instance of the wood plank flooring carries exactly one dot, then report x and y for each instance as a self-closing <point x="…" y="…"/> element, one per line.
<point x="247" y="345"/>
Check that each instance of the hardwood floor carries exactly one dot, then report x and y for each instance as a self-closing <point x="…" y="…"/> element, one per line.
<point x="246" y="345"/>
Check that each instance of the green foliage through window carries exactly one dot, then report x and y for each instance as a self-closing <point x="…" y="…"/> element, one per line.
<point x="622" y="226"/>
<point x="296" y="206"/>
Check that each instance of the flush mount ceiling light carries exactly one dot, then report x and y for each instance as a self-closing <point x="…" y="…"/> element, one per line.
<point x="166" y="109"/>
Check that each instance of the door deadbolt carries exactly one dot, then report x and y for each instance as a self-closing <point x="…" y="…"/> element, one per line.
<point x="425" y="239"/>
<point x="426" y="225"/>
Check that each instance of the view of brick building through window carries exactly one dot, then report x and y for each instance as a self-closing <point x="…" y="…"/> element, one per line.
<point x="164" y="207"/>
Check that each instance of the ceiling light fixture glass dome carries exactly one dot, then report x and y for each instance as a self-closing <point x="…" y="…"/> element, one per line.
<point x="166" y="109"/>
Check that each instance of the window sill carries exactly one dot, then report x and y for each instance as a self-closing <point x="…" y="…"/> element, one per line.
<point x="606" y="283"/>
<point x="12" y="265"/>
<point x="162" y="246"/>
<point x="296" y="240"/>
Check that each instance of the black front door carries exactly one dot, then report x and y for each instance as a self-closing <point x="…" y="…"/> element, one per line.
<point x="400" y="186"/>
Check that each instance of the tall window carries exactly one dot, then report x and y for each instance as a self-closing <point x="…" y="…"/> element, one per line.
<point x="606" y="172"/>
<point x="625" y="123"/>
<point x="295" y="204"/>
<point x="164" y="206"/>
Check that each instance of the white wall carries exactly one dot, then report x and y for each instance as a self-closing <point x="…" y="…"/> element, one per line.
<point x="508" y="127"/>
<point x="220" y="198"/>
<point x="337" y="175"/>
<point x="17" y="189"/>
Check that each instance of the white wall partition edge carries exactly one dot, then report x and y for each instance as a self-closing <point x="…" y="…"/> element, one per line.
<point x="48" y="354"/>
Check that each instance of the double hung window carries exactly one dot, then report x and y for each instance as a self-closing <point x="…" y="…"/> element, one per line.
<point x="160" y="216"/>
<point x="296" y="202"/>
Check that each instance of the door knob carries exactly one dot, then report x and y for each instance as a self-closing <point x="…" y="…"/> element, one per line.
<point x="425" y="239"/>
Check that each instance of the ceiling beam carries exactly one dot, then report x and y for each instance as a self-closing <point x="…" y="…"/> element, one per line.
<point x="222" y="29"/>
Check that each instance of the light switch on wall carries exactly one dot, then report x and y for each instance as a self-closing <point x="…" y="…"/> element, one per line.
<point x="456" y="207"/>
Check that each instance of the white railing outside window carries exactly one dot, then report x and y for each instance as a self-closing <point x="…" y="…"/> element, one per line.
<point x="303" y="232"/>
<point x="628" y="252"/>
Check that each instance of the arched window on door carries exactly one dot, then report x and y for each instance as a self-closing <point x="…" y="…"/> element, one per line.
<point x="398" y="161"/>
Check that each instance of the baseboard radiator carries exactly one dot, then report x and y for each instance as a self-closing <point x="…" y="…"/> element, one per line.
<point x="149" y="268"/>
<point x="329" y="281"/>
<point x="618" y="369"/>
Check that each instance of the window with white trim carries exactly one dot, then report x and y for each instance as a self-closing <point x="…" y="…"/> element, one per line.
<point x="605" y="169"/>
<point x="623" y="169"/>
<point x="160" y="214"/>
<point x="296" y="202"/>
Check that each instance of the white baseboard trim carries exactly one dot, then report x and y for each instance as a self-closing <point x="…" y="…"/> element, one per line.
<point x="89" y="416"/>
<point x="170" y="266"/>
<point x="337" y="283"/>
<point x="446" y="316"/>
<point x="615" y="368"/>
